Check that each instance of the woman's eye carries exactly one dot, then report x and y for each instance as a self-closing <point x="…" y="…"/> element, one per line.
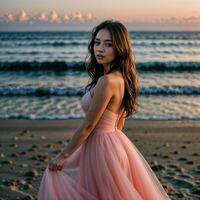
<point x="109" y="44"/>
<point x="106" y="44"/>
<point x="96" y="43"/>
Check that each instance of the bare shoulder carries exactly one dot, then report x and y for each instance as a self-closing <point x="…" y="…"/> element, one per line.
<point x="116" y="78"/>
<point x="105" y="81"/>
<point x="109" y="82"/>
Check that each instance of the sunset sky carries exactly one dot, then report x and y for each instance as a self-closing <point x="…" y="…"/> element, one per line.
<point x="84" y="14"/>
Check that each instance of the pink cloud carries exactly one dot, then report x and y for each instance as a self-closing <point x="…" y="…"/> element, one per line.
<point x="192" y="18"/>
<point x="42" y="17"/>
<point x="54" y="17"/>
<point x="23" y="17"/>
<point x="51" y="17"/>
<point x="77" y="17"/>
<point x="176" y="20"/>
<point x="65" y="18"/>
<point x="81" y="18"/>
<point x="10" y="18"/>
<point x="88" y="16"/>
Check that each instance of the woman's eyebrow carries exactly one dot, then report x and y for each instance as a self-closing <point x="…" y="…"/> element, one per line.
<point x="108" y="40"/>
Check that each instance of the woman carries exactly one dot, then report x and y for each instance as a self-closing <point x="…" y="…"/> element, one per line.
<point x="100" y="162"/>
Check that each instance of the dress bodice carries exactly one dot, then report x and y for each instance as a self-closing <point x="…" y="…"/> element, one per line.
<point x="108" y="120"/>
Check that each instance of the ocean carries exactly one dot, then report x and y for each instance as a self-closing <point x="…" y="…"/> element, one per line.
<point x="42" y="74"/>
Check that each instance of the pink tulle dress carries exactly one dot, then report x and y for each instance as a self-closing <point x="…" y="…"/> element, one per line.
<point x="107" y="166"/>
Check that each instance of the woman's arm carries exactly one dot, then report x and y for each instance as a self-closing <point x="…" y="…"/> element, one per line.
<point x="101" y="97"/>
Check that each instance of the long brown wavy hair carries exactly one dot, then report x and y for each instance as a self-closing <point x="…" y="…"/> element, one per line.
<point x="124" y="62"/>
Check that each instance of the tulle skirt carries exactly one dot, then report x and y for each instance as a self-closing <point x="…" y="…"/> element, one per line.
<point x="107" y="166"/>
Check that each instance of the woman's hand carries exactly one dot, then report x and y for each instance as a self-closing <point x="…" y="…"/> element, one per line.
<point x="57" y="163"/>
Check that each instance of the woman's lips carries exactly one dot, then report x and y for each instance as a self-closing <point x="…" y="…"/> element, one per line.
<point x="100" y="57"/>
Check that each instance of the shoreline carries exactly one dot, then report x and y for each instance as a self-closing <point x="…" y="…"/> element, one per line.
<point x="61" y="122"/>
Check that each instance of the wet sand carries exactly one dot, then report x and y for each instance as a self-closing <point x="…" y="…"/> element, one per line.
<point x="172" y="149"/>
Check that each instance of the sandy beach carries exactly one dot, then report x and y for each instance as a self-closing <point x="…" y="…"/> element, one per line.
<point x="170" y="147"/>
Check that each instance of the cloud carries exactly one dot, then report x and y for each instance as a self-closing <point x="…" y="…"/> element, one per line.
<point x="42" y="17"/>
<point x="22" y="17"/>
<point x="54" y="17"/>
<point x="51" y="17"/>
<point x="88" y="16"/>
<point x="65" y="18"/>
<point x="77" y="17"/>
<point x="192" y="19"/>
<point x="9" y="18"/>
<point x="183" y="20"/>
<point x="80" y="17"/>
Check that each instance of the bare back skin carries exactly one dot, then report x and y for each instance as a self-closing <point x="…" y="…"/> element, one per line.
<point x="118" y="93"/>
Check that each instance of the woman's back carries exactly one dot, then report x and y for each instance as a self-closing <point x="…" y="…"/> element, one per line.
<point x="118" y="93"/>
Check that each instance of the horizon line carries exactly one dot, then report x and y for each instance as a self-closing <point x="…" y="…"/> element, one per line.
<point x="91" y="30"/>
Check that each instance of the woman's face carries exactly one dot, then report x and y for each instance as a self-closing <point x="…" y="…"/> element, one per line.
<point x="103" y="48"/>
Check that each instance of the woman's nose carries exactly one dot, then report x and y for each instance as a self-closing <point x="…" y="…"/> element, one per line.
<point x="101" y="48"/>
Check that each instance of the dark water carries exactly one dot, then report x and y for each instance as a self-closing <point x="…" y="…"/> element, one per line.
<point x="42" y="74"/>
